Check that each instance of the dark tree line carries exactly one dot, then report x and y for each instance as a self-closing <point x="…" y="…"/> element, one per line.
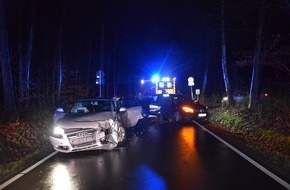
<point x="50" y="52"/>
<point x="35" y="73"/>
<point x="9" y="107"/>
<point x="256" y="18"/>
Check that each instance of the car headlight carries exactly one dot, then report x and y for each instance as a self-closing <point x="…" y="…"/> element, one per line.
<point x="58" y="131"/>
<point x="187" y="109"/>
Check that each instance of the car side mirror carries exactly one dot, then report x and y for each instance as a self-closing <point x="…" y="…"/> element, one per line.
<point x="58" y="113"/>
<point x="59" y="110"/>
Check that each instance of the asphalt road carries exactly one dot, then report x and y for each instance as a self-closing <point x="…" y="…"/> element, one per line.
<point x="153" y="157"/>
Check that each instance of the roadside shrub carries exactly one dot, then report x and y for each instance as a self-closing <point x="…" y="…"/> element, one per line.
<point x="279" y="141"/>
<point x="274" y="113"/>
<point x="231" y="119"/>
<point x="23" y="141"/>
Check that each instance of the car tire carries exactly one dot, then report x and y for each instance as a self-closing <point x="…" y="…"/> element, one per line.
<point x="121" y="134"/>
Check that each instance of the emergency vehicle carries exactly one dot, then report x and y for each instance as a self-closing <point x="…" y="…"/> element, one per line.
<point x="166" y="86"/>
<point x="155" y="86"/>
<point x="151" y="89"/>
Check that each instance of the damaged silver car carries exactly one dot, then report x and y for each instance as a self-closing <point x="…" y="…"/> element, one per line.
<point x="91" y="124"/>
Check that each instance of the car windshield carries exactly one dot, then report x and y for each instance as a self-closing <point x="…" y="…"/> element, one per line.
<point x="92" y="106"/>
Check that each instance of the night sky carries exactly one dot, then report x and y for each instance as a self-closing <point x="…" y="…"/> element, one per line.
<point x="143" y="37"/>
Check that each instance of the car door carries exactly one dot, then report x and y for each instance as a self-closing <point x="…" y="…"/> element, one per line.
<point x="133" y="111"/>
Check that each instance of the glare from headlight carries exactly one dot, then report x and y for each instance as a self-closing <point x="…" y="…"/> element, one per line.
<point x="58" y="130"/>
<point x="187" y="109"/>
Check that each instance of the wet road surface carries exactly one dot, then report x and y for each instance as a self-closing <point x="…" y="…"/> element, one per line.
<point x="153" y="157"/>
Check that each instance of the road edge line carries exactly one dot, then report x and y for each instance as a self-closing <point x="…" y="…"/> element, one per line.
<point x="26" y="171"/>
<point x="256" y="164"/>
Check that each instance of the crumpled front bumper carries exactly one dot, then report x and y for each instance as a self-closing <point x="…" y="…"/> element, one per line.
<point x="85" y="140"/>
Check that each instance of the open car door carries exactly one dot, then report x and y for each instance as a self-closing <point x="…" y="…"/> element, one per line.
<point x="133" y="111"/>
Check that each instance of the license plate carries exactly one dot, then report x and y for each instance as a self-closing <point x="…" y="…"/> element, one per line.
<point x="202" y="115"/>
<point x="83" y="140"/>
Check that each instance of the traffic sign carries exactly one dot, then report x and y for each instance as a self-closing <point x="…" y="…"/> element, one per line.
<point x="100" y="81"/>
<point x="190" y="81"/>
<point x="100" y="77"/>
<point x="100" y="74"/>
<point x="197" y="91"/>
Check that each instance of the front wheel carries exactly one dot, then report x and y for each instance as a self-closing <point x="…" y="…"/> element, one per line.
<point x="121" y="134"/>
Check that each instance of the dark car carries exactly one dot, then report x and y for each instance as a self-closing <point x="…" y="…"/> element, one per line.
<point x="187" y="110"/>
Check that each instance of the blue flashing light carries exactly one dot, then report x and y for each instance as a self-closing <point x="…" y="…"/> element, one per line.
<point x="142" y="81"/>
<point x="155" y="78"/>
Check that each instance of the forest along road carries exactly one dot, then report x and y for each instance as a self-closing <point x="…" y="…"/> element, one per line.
<point x="153" y="157"/>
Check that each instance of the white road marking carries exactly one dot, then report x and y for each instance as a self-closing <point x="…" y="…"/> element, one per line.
<point x="263" y="169"/>
<point x="2" y="186"/>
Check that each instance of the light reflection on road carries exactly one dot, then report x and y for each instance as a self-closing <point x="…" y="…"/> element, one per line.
<point x="187" y="163"/>
<point x="146" y="178"/>
<point x="60" y="178"/>
<point x="187" y="142"/>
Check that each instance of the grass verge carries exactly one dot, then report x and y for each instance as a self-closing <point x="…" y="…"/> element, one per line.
<point x="267" y="144"/>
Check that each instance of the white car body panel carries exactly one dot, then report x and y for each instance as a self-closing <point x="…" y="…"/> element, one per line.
<point x="134" y="114"/>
